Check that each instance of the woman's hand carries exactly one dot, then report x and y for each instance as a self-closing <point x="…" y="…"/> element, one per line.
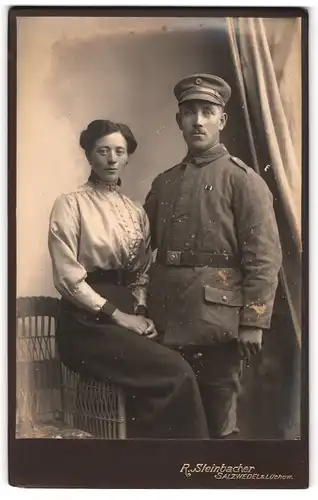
<point x="129" y="321"/>
<point x="151" y="332"/>
<point x="138" y="324"/>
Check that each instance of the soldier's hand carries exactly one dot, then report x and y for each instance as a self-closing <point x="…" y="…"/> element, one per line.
<point x="249" y="341"/>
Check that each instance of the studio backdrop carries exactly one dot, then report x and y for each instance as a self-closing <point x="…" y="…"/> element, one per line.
<point x="74" y="70"/>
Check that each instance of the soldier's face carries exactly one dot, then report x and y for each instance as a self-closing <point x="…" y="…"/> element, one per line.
<point x="201" y="122"/>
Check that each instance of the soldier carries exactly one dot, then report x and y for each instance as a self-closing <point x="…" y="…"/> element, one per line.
<point x="214" y="280"/>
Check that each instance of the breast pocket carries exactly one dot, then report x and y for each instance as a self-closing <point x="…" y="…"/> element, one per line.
<point x="221" y="309"/>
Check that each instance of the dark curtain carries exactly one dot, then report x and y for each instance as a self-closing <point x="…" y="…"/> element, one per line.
<point x="267" y="59"/>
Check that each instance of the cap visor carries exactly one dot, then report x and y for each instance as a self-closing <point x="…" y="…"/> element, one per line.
<point x="200" y="97"/>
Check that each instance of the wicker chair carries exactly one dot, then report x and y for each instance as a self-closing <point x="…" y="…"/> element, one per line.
<point x="48" y="393"/>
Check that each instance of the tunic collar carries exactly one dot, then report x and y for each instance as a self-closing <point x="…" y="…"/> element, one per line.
<point x="209" y="156"/>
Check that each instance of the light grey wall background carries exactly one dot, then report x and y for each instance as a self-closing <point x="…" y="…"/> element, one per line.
<point x="74" y="70"/>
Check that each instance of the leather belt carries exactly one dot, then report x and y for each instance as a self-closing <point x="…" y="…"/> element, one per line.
<point x="111" y="276"/>
<point x="196" y="259"/>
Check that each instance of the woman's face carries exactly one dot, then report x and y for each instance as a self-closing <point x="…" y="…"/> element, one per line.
<point x="109" y="156"/>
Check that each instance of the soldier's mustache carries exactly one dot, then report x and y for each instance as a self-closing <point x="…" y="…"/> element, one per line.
<point x="197" y="130"/>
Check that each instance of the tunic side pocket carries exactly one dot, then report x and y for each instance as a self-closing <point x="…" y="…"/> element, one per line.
<point x="221" y="308"/>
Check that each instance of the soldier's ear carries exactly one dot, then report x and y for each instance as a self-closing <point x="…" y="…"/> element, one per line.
<point x="223" y="121"/>
<point x="178" y="120"/>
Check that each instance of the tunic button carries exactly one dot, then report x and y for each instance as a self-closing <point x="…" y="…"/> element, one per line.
<point x="224" y="298"/>
<point x="172" y="256"/>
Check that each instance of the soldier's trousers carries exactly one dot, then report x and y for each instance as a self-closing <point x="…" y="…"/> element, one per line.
<point x="163" y="383"/>
<point x="218" y="370"/>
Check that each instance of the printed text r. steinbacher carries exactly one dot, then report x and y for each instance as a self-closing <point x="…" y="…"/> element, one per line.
<point x="231" y="472"/>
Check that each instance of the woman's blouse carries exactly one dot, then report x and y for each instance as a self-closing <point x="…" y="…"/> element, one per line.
<point x="98" y="228"/>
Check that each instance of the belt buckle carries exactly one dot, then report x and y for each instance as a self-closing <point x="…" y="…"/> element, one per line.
<point x="173" y="257"/>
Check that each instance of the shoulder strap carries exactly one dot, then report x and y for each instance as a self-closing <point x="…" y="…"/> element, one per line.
<point x="239" y="163"/>
<point x="169" y="169"/>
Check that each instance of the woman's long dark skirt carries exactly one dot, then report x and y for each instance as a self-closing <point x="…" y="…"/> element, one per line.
<point x="157" y="380"/>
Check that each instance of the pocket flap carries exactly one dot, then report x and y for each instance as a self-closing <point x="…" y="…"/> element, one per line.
<point x="225" y="297"/>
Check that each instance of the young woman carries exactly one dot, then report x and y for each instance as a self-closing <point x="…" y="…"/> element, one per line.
<point x="99" y="244"/>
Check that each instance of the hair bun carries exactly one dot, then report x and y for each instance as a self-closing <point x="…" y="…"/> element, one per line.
<point x="99" y="128"/>
<point x="92" y="130"/>
<point x="83" y="139"/>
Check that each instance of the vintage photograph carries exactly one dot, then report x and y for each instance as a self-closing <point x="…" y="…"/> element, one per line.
<point x="159" y="227"/>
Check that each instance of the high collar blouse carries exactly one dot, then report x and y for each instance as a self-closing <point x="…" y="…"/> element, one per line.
<point x="98" y="228"/>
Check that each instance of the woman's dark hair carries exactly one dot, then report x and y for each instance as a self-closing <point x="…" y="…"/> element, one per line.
<point x="99" y="128"/>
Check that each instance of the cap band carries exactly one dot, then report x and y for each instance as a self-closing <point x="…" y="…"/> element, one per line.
<point x="202" y="90"/>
